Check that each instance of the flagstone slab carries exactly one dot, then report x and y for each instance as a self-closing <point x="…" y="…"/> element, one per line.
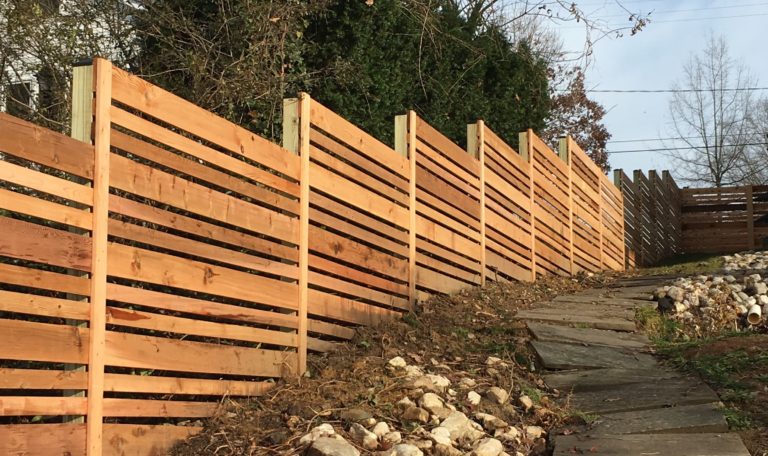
<point x="685" y="419"/>
<point x="578" y="320"/>
<point x="652" y="444"/>
<point x="555" y="355"/>
<point x="600" y="379"/>
<point x="644" y="396"/>
<point x="587" y="336"/>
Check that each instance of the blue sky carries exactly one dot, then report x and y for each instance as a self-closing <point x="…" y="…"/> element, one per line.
<point x="654" y="58"/>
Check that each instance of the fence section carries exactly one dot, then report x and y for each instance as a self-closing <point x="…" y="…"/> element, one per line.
<point x="551" y="207"/>
<point x="586" y="182"/>
<point x="726" y="219"/>
<point x="508" y="232"/>
<point x="180" y="258"/>
<point x="651" y="217"/>
<point x="45" y="216"/>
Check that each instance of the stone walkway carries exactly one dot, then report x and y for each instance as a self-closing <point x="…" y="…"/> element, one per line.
<point x="588" y="345"/>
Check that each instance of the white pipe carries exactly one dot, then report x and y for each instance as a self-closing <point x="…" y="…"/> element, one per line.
<point x="754" y="315"/>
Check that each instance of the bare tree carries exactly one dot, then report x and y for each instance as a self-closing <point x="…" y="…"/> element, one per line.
<point x="41" y="40"/>
<point x="710" y="113"/>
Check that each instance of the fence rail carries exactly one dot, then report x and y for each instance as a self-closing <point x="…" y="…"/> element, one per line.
<point x="170" y="257"/>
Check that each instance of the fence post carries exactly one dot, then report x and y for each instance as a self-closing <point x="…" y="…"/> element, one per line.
<point x="81" y="123"/>
<point x="526" y="151"/>
<point x="304" y="107"/>
<point x="750" y="218"/>
<point x="564" y="152"/>
<point x="476" y="148"/>
<point x="405" y="144"/>
<point x="98" y="293"/>
<point x="296" y="117"/>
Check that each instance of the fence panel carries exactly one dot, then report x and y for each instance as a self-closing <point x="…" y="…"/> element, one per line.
<point x="551" y="209"/>
<point x="587" y="202"/>
<point x="358" y="228"/>
<point x="45" y="258"/>
<point x="508" y="252"/>
<point x="202" y="259"/>
<point x="447" y="213"/>
<point x="726" y="219"/>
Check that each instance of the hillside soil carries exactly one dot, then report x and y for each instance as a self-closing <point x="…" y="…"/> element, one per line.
<point x="450" y="335"/>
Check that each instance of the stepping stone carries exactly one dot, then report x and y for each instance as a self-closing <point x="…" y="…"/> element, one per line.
<point x="566" y="356"/>
<point x="587" y="321"/>
<point x="652" y="444"/>
<point x="644" y="396"/>
<point x="600" y="301"/>
<point x="587" y="336"/>
<point x="686" y="419"/>
<point x="600" y="379"/>
<point x="585" y="310"/>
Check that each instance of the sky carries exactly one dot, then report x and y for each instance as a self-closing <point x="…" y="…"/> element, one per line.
<point x="654" y="59"/>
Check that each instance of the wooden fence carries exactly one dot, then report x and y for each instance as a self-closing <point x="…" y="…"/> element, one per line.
<point x="652" y="217"/>
<point x="725" y="219"/>
<point x="169" y="258"/>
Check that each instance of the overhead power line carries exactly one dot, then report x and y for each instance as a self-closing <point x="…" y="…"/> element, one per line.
<point x="733" y="89"/>
<point x="665" y="149"/>
<point x="676" y="138"/>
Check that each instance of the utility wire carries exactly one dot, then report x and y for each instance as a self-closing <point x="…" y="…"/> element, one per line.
<point x="676" y="138"/>
<point x="733" y="89"/>
<point x="665" y="149"/>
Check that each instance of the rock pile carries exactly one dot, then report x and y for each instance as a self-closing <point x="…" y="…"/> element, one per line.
<point x="746" y="261"/>
<point x="437" y="416"/>
<point x="708" y="304"/>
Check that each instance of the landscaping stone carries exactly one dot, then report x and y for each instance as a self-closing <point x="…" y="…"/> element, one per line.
<point x="328" y="446"/>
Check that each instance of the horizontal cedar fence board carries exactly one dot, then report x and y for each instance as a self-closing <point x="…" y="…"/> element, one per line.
<point x="150" y="352"/>
<point x="143" y="440"/>
<point x="37" y="144"/>
<point x="43" y="439"/>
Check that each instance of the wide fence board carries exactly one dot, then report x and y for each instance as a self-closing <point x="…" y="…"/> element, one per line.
<point x="220" y="258"/>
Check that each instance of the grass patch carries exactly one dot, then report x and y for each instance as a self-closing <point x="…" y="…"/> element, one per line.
<point x="685" y="265"/>
<point x="660" y="329"/>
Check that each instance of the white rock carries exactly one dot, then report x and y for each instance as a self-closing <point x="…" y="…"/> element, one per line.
<point x="431" y="402"/>
<point x="492" y="361"/>
<point x="413" y="371"/>
<point x="511" y="434"/>
<point x="439" y="381"/>
<point x="467" y="382"/>
<point x="406" y="449"/>
<point x="323" y="430"/>
<point x="497" y="395"/>
<point x="461" y="427"/>
<point x="397" y="361"/>
<point x="405" y="403"/>
<point x="363" y="437"/>
<point x="488" y="447"/>
<point x="534" y="432"/>
<point x="441" y="435"/>
<point x="526" y="402"/>
<point x="473" y="398"/>
<point x="328" y="446"/>
<point x="381" y="429"/>
<point x="392" y="438"/>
